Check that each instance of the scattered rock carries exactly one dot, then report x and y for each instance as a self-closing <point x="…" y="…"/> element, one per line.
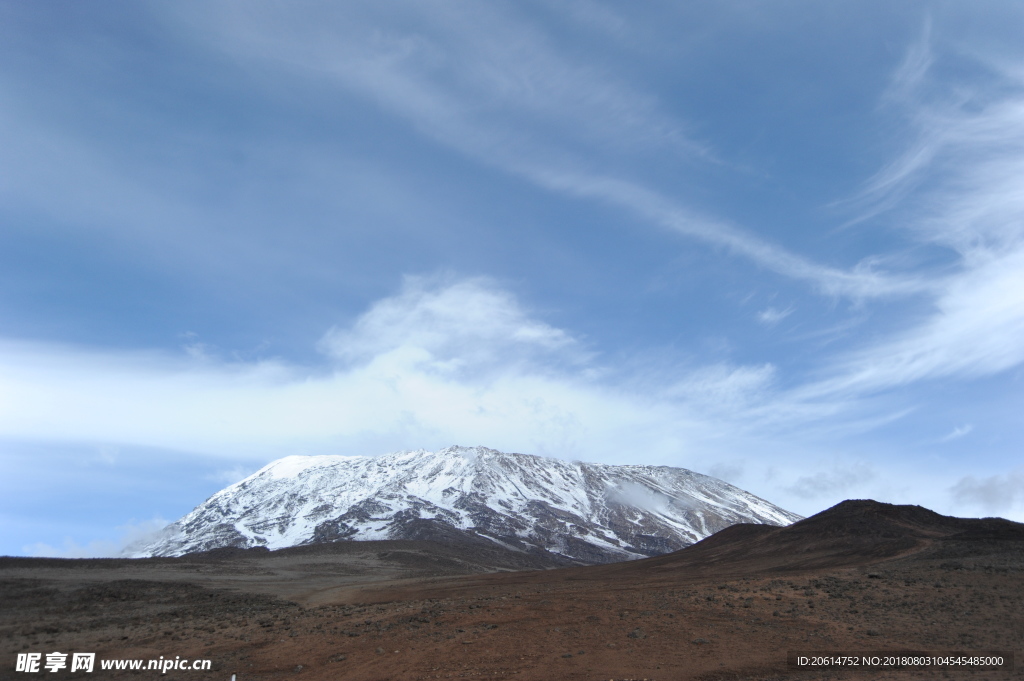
<point x="637" y="633"/>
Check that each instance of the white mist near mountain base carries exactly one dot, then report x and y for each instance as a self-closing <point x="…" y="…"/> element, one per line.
<point x="587" y="513"/>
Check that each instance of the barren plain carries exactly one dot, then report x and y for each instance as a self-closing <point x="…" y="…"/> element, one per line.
<point x="860" y="577"/>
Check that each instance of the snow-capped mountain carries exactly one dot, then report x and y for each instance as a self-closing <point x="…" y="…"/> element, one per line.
<point x="589" y="513"/>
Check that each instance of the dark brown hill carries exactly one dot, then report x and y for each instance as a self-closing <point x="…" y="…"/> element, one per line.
<point x="852" y="533"/>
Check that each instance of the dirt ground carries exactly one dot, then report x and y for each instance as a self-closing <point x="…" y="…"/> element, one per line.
<point x="729" y="608"/>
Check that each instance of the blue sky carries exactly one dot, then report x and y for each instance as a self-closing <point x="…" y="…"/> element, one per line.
<point x="780" y="243"/>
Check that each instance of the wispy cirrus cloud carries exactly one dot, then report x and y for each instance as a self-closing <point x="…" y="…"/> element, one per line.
<point x="957" y="182"/>
<point x="957" y="433"/>
<point x="960" y="188"/>
<point x="973" y="331"/>
<point x="499" y="90"/>
<point x="861" y="282"/>
<point x="770" y="316"/>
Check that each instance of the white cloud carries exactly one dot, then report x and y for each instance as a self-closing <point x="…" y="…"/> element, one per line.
<point x="443" y="361"/>
<point x="107" y="454"/>
<point x="957" y="433"/>
<point x="840" y="481"/>
<point x="402" y="381"/>
<point x="975" y="331"/>
<point x="412" y="372"/>
<point x="230" y="476"/>
<point x="130" y="533"/>
<point x="729" y="471"/>
<point x="966" y="167"/>
<point x="861" y="282"/>
<point x="993" y="494"/>
<point x="484" y="82"/>
<point x="911" y="73"/>
<point x="464" y="322"/>
<point x="770" y="316"/>
<point x="893" y="182"/>
<point x="100" y="548"/>
<point x="498" y="89"/>
<point x="722" y="388"/>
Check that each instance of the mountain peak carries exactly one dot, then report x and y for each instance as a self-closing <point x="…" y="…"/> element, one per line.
<point x="585" y="512"/>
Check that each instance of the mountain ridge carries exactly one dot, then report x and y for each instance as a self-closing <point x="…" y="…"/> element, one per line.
<point x="584" y="512"/>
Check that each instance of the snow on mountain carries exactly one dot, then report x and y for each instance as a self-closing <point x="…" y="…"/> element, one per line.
<point x="588" y="513"/>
